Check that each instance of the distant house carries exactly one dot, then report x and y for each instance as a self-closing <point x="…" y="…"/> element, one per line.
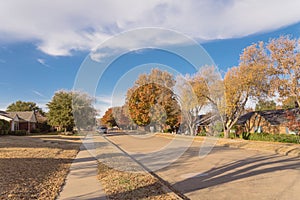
<point x="20" y="120"/>
<point x="205" y="122"/>
<point x="12" y="119"/>
<point x="271" y="121"/>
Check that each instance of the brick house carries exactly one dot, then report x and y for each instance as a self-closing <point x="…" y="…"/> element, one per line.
<point x="12" y="119"/>
<point x="270" y="121"/>
<point x="20" y="120"/>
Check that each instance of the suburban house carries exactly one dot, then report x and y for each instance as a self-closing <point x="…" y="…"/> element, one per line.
<point x="205" y="122"/>
<point x="20" y="120"/>
<point x="13" y="120"/>
<point x="270" y="121"/>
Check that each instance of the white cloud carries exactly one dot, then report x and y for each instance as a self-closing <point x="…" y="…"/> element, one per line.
<point x="39" y="94"/>
<point x="42" y="62"/>
<point x="60" y="27"/>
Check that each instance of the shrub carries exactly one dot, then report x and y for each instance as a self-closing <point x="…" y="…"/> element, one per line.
<point x="37" y="130"/>
<point x="201" y="133"/>
<point x="4" y="132"/>
<point x="274" y="137"/>
<point x="4" y="125"/>
<point x="18" y="133"/>
<point x="245" y="136"/>
<point x="168" y="130"/>
<point x="44" y="127"/>
<point x="231" y="135"/>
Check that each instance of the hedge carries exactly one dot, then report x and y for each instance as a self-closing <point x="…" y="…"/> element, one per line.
<point x="18" y="133"/>
<point x="285" y="138"/>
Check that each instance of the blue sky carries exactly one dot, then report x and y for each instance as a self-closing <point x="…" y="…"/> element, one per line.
<point x="43" y="45"/>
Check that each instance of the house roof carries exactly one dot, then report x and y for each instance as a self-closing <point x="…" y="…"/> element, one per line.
<point x="5" y="114"/>
<point x="2" y="112"/>
<point x="206" y="119"/>
<point x="28" y="116"/>
<point x="40" y="118"/>
<point x="274" y="117"/>
<point x="242" y="119"/>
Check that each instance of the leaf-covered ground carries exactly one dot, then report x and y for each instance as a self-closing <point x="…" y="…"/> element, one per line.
<point x="131" y="185"/>
<point x="35" y="167"/>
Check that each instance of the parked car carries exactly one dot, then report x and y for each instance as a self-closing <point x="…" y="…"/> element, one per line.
<point x="102" y="129"/>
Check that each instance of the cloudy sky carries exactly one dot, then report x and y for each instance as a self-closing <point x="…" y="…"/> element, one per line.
<point x="43" y="42"/>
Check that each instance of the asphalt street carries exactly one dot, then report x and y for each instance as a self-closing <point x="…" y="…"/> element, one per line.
<point x="224" y="173"/>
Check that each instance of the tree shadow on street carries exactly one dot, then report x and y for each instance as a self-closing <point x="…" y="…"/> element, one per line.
<point x="237" y="170"/>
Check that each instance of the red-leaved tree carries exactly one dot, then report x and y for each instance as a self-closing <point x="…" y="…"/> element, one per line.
<point x="292" y="122"/>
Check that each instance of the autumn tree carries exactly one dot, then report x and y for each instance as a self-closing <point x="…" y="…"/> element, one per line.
<point x="293" y="121"/>
<point x="121" y="117"/>
<point x="151" y="100"/>
<point x="248" y="80"/>
<point x="289" y="102"/>
<point x="285" y="67"/>
<point x="209" y="87"/>
<point x="60" y="111"/>
<point x="265" y="105"/>
<point x="23" y="106"/>
<point x="191" y="103"/>
<point x="108" y="118"/>
<point x="203" y="90"/>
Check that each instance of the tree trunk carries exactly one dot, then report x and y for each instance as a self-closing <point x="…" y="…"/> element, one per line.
<point x="226" y="133"/>
<point x="191" y="129"/>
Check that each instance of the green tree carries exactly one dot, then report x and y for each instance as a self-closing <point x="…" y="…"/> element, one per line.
<point x="265" y="105"/>
<point x="83" y="111"/>
<point x="4" y="125"/>
<point x="23" y="106"/>
<point x="60" y="113"/>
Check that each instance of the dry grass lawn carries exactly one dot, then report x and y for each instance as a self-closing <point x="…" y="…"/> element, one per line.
<point x="130" y="185"/>
<point x="35" y="167"/>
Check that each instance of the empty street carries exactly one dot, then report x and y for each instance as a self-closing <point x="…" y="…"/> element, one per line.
<point x="225" y="173"/>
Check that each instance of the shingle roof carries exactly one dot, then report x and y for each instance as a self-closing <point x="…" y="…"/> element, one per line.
<point x="242" y="119"/>
<point x="25" y="115"/>
<point x="206" y="119"/>
<point x="274" y="117"/>
<point x="40" y="118"/>
<point x="3" y="113"/>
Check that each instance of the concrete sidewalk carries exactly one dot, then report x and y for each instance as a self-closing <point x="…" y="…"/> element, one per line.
<point x="82" y="182"/>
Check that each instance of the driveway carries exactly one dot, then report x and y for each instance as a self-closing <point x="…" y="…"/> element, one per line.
<point x="225" y="173"/>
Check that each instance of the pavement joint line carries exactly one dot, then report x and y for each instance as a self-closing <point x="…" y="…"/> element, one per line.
<point x="164" y="183"/>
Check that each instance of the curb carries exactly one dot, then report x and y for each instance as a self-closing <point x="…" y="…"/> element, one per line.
<point x="286" y="149"/>
<point x="165" y="185"/>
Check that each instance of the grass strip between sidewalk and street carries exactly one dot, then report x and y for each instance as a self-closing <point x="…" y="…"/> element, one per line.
<point x="131" y="185"/>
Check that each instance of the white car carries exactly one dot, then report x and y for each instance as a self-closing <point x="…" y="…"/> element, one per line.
<point x="102" y="129"/>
